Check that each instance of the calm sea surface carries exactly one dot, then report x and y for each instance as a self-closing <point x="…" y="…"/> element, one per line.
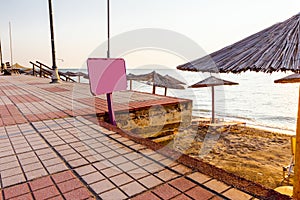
<point x="257" y="100"/>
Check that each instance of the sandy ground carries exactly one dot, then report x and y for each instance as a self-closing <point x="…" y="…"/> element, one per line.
<point x="254" y="154"/>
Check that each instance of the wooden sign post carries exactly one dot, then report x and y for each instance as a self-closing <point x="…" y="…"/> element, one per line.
<point x="107" y="75"/>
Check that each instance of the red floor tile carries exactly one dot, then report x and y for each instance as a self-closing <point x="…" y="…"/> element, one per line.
<point x="182" y="184"/>
<point x="182" y="197"/>
<point x="42" y="116"/>
<point x="23" y="197"/>
<point x="46" y="193"/>
<point x="32" y="118"/>
<point x="69" y="185"/>
<point x="56" y="198"/>
<point x="20" y="119"/>
<point x="62" y="176"/>
<point x="16" y="190"/>
<point x="81" y="193"/>
<point x="146" y="196"/>
<point x="41" y="183"/>
<point x="165" y="191"/>
<point x="199" y="193"/>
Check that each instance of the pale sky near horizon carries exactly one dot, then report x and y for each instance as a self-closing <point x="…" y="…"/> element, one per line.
<point x="80" y="25"/>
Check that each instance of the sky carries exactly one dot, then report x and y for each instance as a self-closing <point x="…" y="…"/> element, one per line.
<point x="81" y="26"/>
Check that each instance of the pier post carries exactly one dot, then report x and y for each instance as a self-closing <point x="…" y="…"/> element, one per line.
<point x="55" y="77"/>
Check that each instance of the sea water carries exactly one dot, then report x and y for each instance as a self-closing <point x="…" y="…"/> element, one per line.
<point x="257" y="100"/>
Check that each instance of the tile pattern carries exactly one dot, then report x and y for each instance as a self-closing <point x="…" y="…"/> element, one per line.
<point x="63" y="185"/>
<point x="24" y="155"/>
<point x="29" y="99"/>
<point x="61" y="157"/>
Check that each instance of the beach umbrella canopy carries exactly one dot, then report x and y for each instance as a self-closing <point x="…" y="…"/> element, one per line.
<point x="293" y="78"/>
<point x="160" y="81"/>
<point x="174" y="80"/>
<point x="141" y="77"/>
<point x="212" y="82"/>
<point x="156" y="80"/>
<point x="273" y="49"/>
<point x="69" y="73"/>
<point x="79" y="74"/>
<point x="276" y="48"/>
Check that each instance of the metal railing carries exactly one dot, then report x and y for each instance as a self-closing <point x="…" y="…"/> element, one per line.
<point x="43" y="70"/>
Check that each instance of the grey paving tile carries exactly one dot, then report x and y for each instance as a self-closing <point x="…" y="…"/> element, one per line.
<point x="118" y="160"/>
<point x="182" y="169"/>
<point x="93" y="177"/>
<point x="112" y="171"/>
<point x="150" y="181"/>
<point x="94" y="158"/>
<point x="102" y="186"/>
<point x="166" y="175"/>
<point x="8" y="159"/>
<point x="12" y="180"/>
<point x="103" y="164"/>
<point x="132" y="188"/>
<point x="235" y="194"/>
<point x="36" y="173"/>
<point x="128" y="166"/>
<point x="11" y="172"/>
<point x="52" y="161"/>
<point x="153" y="167"/>
<point x="78" y="162"/>
<point x="32" y="166"/>
<point x="56" y="168"/>
<point x="216" y="185"/>
<point x="199" y="177"/>
<point x="9" y="165"/>
<point x="85" y="170"/>
<point x="121" y="179"/>
<point x="113" y="195"/>
<point x="138" y="173"/>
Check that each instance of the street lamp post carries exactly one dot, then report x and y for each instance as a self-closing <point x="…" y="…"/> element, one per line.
<point x="55" y="77"/>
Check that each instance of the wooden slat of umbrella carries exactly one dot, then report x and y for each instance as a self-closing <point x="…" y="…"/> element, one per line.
<point x="212" y="82"/>
<point x="273" y="49"/>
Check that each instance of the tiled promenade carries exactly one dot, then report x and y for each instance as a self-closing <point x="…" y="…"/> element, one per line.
<point x="51" y="149"/>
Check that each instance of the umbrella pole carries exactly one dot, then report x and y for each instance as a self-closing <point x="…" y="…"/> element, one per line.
<point x="165" y="91"/>
<point x="153" y="89"/>
<point x="130" y="84"/>
<point x="296" y="190"/>
<point x="213" y="104"/>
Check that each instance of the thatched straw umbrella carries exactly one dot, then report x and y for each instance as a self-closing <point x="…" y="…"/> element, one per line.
<point x="174" y="80"/>
<point x="156" y="80"/>
<point x="273" y="49"/>
<point x="142" y="77"/>
<point x="212" y="82"/>
<point x="293" y="78"/>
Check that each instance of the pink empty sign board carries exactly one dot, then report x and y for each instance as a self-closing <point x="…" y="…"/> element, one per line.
<point x="106" y="75"/>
